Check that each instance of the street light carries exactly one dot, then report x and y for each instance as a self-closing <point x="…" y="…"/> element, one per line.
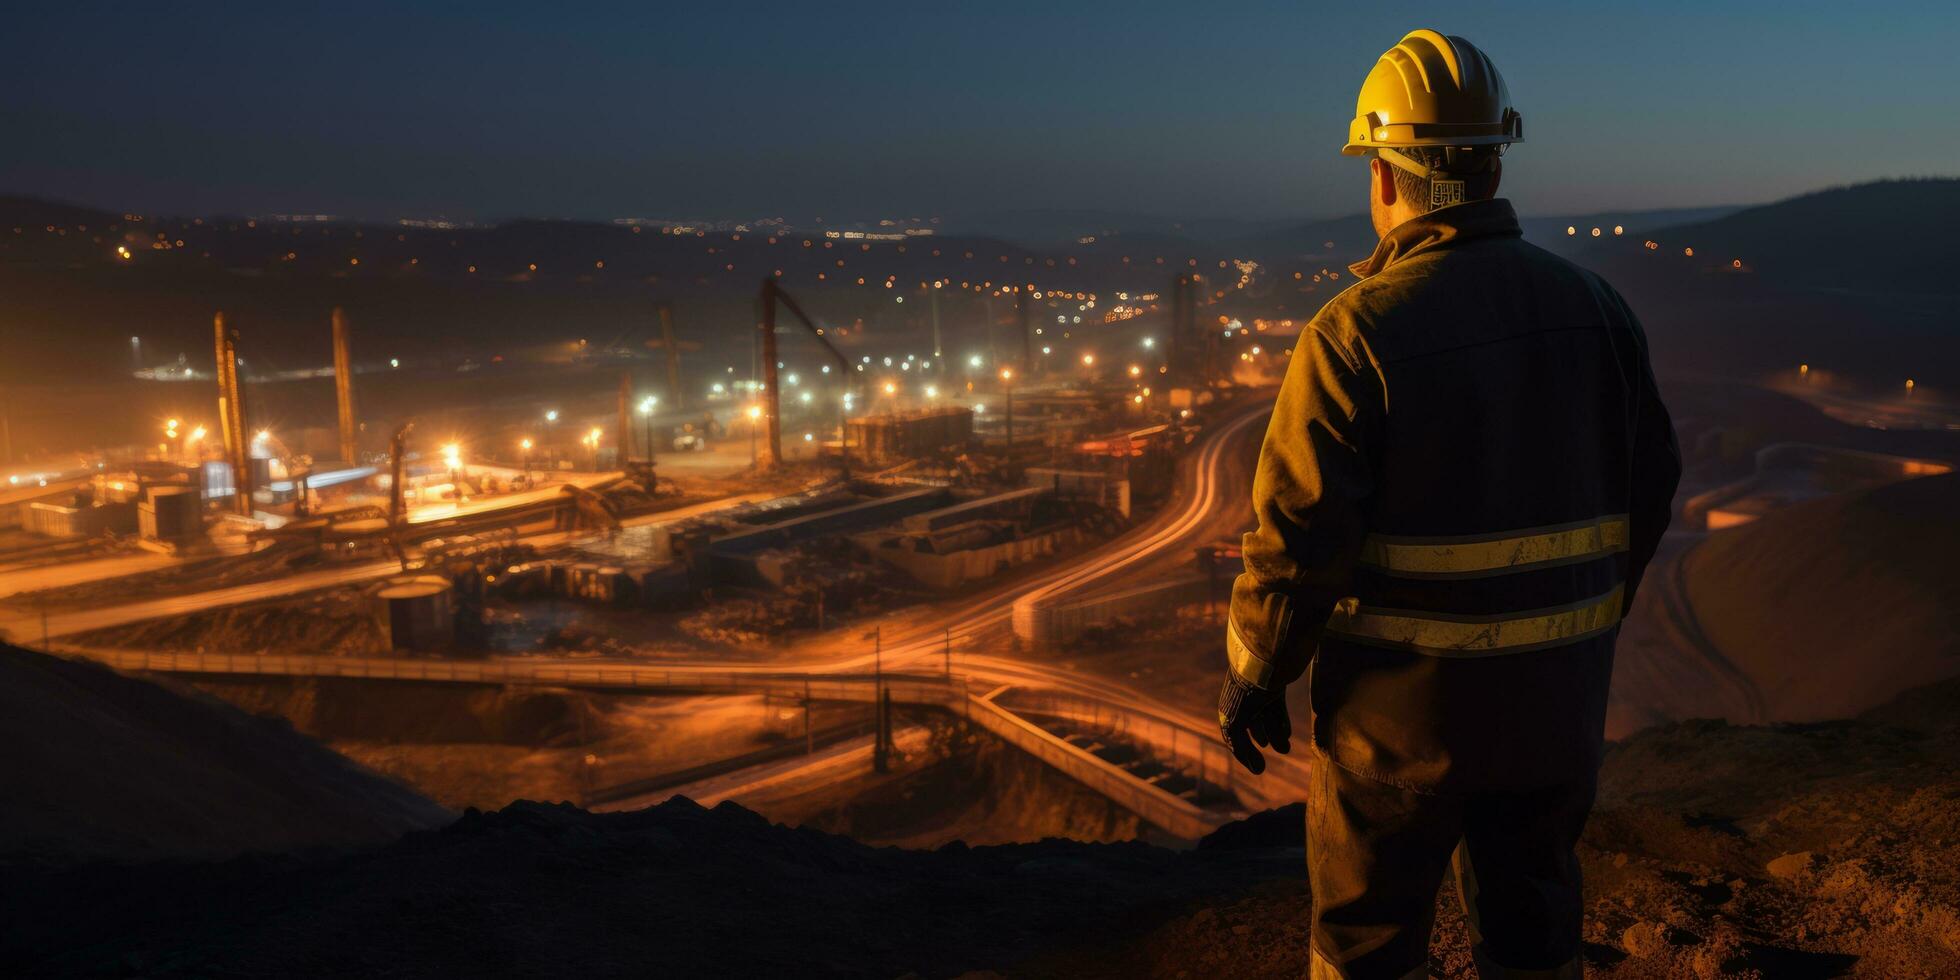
<point x="1007" y="386"/>
<point x="755" y="416"/>
<point x="647" y="405"/>
<point x="525" y="445"/>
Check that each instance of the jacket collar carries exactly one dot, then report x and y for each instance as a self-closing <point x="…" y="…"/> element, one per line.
<point x="1441" y="228"/>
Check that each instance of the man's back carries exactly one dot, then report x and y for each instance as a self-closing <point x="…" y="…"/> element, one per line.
<point x="1465" y="449"/>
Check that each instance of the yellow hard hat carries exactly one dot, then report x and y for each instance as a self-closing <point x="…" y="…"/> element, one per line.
<point x="1432" y="90"/>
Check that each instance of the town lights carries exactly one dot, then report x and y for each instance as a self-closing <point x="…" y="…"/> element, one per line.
<point x="973" y="361"/>
<point x="452" y="456"/>
<point x="1007" y="374"/>
<point x="1136" y="371"/>
<point x="890" y="388"/>
<point x="755" y="412"/>
<point x="524" y="444"/>
<point x="647" y="404"/>
<point x="932" y="391"/>
<point x="1149" y="342"/>
<point x="196" y="434"/>
<point x="1088" y="360"/>
<point x="551" y="415"/>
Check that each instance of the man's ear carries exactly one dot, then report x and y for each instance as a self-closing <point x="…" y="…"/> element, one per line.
<point x="1384" y="179"/>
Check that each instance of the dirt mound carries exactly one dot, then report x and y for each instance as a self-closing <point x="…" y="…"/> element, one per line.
<point x="105" y="766"/>
<point x="1836" y="605"/>
<point x="537" y="890"/>
<point x="336" y="623"/>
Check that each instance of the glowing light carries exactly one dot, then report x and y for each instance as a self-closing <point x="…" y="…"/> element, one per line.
<point x="973" y="361"/>
<point x="1088" y="360"/>
<point x="1149" y="342"/>
<point x="1595" y="232"/>
<point x="1007" y="374"/>
<point x="196" y="434"/>
<point x="394" y="362"/>
<point x="932" y="391"/>
<point x="1617" y="230"/>
<point x="552" y="415"/>
<point x="1803" y="369"/>
<point x="805" y="398"/>
<point x="891" y="389"/>
<point x="1569" y="230"/>
<point x="1136" y="371"/>
<point x="524" y="444"/>
<point x="755" y="412"/>
<point x="452" y="456"/>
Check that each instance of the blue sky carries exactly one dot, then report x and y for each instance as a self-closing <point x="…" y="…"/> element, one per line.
<point x="867" y="109"/>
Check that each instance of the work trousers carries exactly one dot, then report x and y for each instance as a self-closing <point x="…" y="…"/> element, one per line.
<point x="1376" y="854"/>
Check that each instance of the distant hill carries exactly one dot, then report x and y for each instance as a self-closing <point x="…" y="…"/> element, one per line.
<point x="1891" y="235"/>
<point x="16" y="209"/>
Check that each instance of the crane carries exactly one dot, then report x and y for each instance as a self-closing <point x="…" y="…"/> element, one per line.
<point x="771" y="295"/>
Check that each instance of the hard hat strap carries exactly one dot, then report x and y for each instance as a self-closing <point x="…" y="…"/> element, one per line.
<point x="1406" y="162"/>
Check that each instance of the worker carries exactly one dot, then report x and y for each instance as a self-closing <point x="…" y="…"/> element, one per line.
<point x="1467" y="470"/>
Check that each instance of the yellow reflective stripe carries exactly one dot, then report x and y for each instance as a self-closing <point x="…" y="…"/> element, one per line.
<point x="1475" y="636"/>
<point x="1251" y="668"/>
<point x="1468" y="557"/>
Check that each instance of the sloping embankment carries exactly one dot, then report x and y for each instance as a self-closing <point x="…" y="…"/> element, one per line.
<point x="105" y="766"/>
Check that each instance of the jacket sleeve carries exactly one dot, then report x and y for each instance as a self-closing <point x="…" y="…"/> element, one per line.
<point x="1656" y="469"/>
<point x="1314" y="474"/>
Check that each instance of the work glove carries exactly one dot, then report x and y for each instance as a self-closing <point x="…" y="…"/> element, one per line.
<point x="1251" y="716"/>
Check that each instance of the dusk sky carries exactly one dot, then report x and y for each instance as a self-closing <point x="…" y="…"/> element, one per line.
<point x="854" y="110"/>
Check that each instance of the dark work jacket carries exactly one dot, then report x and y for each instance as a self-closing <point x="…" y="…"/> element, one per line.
<point x="1467" y="470"/>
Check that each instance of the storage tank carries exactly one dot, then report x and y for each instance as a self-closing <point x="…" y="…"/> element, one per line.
<point x="417" y="612"/>
<point x="172" y="514"/>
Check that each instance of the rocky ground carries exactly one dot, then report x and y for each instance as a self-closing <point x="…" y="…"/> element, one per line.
<point x="1810" y="850"/>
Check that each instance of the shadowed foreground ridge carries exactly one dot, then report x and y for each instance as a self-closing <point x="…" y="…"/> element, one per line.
<point x="674" y="889"/>
<point x="1717" y="850"/>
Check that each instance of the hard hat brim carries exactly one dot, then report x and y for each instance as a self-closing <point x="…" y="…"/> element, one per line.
<point x="1362" y="149"/>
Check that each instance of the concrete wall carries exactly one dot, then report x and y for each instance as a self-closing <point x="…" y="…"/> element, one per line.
<point x="1045" y="623"/>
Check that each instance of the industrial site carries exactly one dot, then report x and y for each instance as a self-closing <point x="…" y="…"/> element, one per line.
<point x="695" y="493"/>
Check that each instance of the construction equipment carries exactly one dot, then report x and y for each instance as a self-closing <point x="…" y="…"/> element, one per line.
<point x="1433" y="90"/>
<point x="673" y="349"/>
<point x="343" y="386"/>
<point x="771" y="453"/>
<point x="396" y="446"/>
<point x="625" y="439"/>
<point x="231" y="415"/>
